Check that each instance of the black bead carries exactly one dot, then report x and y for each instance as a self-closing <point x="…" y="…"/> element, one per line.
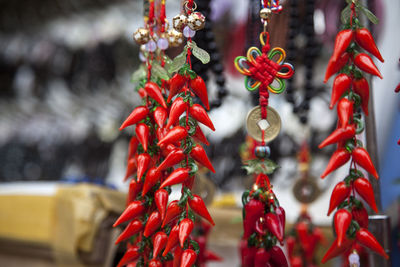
<point x="218" y="68"/>
<point x="220" y="80"/>
<point x="303" y="119"/>
<point x="222" y="92"/>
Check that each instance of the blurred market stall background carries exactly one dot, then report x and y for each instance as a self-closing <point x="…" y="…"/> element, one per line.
<point x="65" y="70"/>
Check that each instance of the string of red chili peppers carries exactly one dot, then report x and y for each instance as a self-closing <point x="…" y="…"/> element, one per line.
<point x="263" y="218"/>
<point x="351" y="91"/>
<point x="155" y="227"/>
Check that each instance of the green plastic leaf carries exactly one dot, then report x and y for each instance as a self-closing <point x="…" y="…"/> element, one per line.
<point x="168" y="62"/>
<point x="369" y="15"/>
<point x="257" y="166"/>
<point x="345" y="15"/>
<point x="160" y="71"/>
<point x="201" y="54"/>
<point x="178" y="62"/>
<point x="138" y="75"/>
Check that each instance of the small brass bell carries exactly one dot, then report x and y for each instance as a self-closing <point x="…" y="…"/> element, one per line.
<point x="196" y="21"/>
<point x="179" y="22"/>
<point x="142" y="36"/>
<point x="175" y="38"/>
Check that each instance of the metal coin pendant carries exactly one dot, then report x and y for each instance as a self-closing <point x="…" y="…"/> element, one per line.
<point x="306" y="190"/>
<point x="255" y="124"/>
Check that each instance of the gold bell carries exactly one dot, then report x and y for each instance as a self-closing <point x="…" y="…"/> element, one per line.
<point x="175" y="38"/>
<point x="142" y="36"/>
<point x="179" y="22"/>
<point x="196" y="21"/>
<point x="265" y="13"/>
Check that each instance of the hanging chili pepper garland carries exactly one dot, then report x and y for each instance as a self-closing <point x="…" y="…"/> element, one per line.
<point x="159" y="233"/>
<point x="263" y="218"/>
<point x="351" y="94"/>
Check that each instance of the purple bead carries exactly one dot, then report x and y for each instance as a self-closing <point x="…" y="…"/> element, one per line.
<point x="151" y="46"/>
<point x="162" y="43"/>
<point x="187" y="32"/>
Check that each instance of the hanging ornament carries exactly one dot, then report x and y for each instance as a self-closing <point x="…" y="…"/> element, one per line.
<point x="163" y="152"/>
<point x="263" y="218"/>
<point x="351" y="94"/>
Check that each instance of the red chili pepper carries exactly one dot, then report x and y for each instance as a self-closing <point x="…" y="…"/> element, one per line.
<point x="260" y="227"/>
<point x="273" y="225"/>
<point x="185" y="229"/>
<point x="133" y="210"/>
<point x="176" y="177"/>
<point x="344" y="111"/>
<point x="335" y="250"/>
<point x="130" y="255"/>
<point x="159" y="243"/>
<point x="178" y="107"/>
<point x="155" y="263"/>
<point x="152" y="177"/>
<point x="173" y="211"/>
<point x="261" y="258"/>
<point x="254" y="209"/>
<point x="342" y="41"/>
<point x="189" y="256"/>
<point x="280" y="212"/>
<point x="133" y="145"/>
<point x="338" y="159"/>
<point x="366" y="239"/>
<point x="296" y="261"/>
<point x="134" y="189"/>
<point x="167" y="149"/>
<point x="152" y="224"/>
<point x="341" y="84"/>
<point x="160" y="116"/>
<point x="302" y="232"/>
<point x="177" y="256"/>
<point x="340" y="134"/>
<point x="138" y="114"/>
<point x="172" y="241"/>
<point x="211" y="256"/>
<point x="360" y="215"/>
<point x="133" y="228"/>
<point x="189" y="182"/>
<point x="172" y="159"/>
<point x="200" y="114"/>
<point x="342" y="220"/>
<point x="174" y="135"/>
<point x="142" y="93"/>
<point x="365" y="63"/>
<point x="290" y="242"/>
<point x="200" y="89"/>
<point x="142" y="133"/>
<point x="143" y="162"/>
<point x="175" y="85"/>
<point x="154" y="92"/>
<point x="365" y="190"/>
<point x="130" y="168"/>
<point x="278" y="257"/>
<point x="247" y="254"/>
<point x="365" y="40"/>
<point x="362" y="158"/>
<point x="199" y="154"/>
<point x="339" y="194"/>
<point x="198" y="206"/>
<point x="161" y="200"/>
<point x="200" y="137"/>
<point x="335" y="66"/>
<point x="361" y="87"/>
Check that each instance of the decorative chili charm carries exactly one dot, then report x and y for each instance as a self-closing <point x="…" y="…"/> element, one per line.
<point x="263" y="218"/>
<point x="351" y="92"/>
<point x="163" y="151"/>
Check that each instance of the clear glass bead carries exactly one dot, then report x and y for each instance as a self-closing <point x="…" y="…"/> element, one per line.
<point x="354" y="260"/>
<point x="142" y="57"/>
<point x="187" y="32"/>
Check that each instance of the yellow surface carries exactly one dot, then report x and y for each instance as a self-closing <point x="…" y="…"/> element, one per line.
<point x="67" y="222"/>
<point x="26" y="218"/>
